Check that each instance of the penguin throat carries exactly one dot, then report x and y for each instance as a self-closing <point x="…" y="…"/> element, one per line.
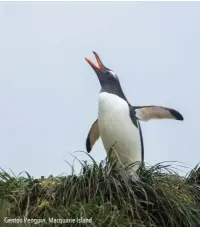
<point x="115" y="90"/>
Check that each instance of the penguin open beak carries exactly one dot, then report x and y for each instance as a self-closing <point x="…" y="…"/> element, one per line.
<point x="100" y="67"/>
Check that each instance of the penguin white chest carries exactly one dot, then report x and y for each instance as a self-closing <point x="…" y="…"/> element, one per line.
<point x="117" y="129"/>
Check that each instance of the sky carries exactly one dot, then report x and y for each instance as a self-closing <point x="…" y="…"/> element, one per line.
<point x="49" y="94"/>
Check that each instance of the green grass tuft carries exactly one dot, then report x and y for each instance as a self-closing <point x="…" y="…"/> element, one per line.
<point x="161" y="198"/>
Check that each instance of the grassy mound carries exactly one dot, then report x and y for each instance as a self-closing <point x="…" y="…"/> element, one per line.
<point x="102" y="196"/>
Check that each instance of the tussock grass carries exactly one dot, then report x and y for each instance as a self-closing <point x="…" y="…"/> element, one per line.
<point x="160" y="198"/>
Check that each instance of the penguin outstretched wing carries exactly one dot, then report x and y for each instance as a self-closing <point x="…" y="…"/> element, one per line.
<point x="145" y="113"/>
<point x="93" y="136"/>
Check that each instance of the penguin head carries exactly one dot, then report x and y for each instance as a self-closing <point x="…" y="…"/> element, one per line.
<point x="105" y="75"/>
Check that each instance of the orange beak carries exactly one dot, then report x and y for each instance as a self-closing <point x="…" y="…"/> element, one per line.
<point x="100" y="65"/>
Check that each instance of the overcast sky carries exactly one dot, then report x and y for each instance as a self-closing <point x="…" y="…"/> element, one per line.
<point x="49" y="94"/>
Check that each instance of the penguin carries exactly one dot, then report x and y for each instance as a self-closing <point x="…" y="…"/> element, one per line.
<point x="118" y="121"/>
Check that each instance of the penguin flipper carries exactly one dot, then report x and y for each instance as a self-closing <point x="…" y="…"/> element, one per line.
<point x="145" y="113"/>
<point x="93" y="136"/>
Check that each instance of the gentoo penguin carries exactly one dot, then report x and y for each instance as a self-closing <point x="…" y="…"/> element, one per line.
<point x="118" y="121"/>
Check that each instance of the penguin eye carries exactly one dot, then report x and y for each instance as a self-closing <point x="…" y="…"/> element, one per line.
<point x="113" y="74"/>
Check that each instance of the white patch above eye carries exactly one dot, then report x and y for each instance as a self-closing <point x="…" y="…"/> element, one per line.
<point x="111" y="72"/>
